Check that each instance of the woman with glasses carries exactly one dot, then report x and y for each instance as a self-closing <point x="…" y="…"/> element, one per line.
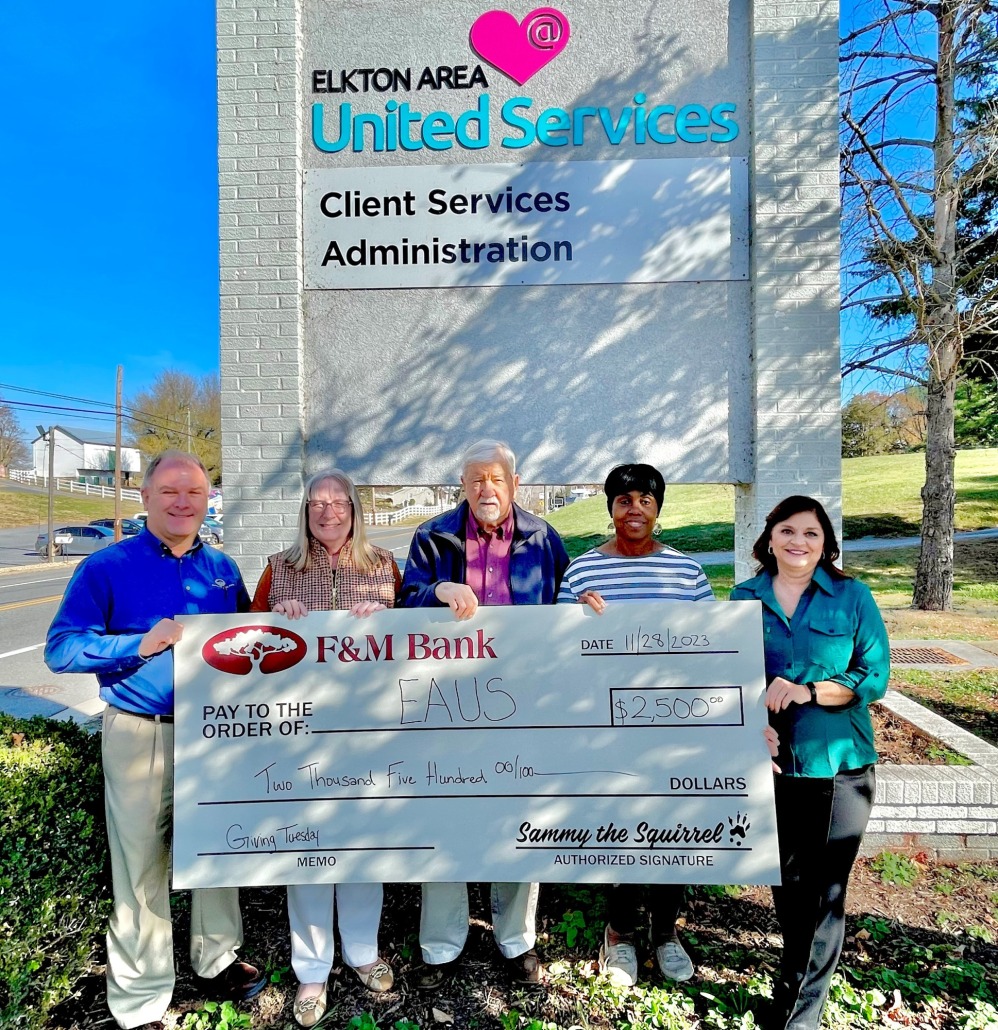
<point x="331" y="565"/>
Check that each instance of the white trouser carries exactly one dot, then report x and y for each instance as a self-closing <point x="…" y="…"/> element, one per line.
<point x="137" y="755"/>
<point x="310" y="913"/>
<point x="443" y="919"/>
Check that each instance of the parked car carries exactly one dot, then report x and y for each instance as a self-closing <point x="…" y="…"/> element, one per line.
<point x="211" y="531"/>
<point x="76" y="540"/>
<point x="129" y="527"/>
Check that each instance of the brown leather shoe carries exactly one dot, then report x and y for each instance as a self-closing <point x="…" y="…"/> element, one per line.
<point x="429" y="977"/>
<point x="525" y="969"/>
<point x="239" y="981"/>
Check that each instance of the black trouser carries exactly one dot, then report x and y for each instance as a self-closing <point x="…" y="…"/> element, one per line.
<point x="664" y="900"/>
<point x="820" y="823"/>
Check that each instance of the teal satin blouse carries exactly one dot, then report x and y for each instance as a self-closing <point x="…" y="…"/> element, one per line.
<point x="837" y="634"/>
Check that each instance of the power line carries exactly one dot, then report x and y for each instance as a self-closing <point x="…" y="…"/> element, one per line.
<point x="162" y="421"/>
<point x="86" y="414"/>
<point x="56" y="396"/>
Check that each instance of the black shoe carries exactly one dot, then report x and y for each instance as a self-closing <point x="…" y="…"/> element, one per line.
<point x="771" y="1014"/>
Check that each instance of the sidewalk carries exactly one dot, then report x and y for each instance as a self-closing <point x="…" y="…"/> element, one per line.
<point x="865" y="543"/>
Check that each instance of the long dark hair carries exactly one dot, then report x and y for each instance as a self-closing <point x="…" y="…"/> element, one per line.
<point x="787" y="509"/>
<point x="622" y="479"/>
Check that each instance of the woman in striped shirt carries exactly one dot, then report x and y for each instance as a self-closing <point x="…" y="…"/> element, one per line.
<point x="634" y="566"/>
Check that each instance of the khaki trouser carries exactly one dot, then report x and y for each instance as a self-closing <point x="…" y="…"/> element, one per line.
<point x="138" y="796"/>
<point x="443" y="919"/>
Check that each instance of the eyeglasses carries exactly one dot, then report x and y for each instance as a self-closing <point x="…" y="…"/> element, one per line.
<point x="340" y="507"/>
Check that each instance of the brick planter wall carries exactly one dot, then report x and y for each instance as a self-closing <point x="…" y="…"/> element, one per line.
<point x="948" y="811"/>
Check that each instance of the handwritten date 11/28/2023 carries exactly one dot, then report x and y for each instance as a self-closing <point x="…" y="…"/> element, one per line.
<point x="644" y="642"/>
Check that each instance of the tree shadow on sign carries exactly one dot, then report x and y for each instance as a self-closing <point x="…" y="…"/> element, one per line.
<point x="576" y="377"/>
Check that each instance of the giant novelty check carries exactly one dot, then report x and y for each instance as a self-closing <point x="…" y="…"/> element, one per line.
<point x="528" y="743"/>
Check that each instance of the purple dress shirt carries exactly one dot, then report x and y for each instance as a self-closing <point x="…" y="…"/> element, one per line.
<point x="487" y="560"/>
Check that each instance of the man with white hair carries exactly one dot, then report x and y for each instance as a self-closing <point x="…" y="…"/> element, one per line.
<point x="487" y="550"/>
<point x="117" y="620"/>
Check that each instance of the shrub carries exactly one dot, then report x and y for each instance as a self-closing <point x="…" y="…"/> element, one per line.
<point x="54" y="884"/>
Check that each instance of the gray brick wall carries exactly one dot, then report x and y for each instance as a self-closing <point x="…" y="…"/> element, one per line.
<point x="259" y="156"/>
<point x="948" y="810"/>
<point x="795" y="264"/>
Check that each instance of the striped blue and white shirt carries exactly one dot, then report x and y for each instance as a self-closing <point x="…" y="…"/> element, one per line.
<point x="666" y="575"/>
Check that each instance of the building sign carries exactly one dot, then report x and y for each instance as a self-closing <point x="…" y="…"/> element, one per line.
<point x="643" y="216"/>
<point x="542" y="223"/>
<point x="529" y="743"/>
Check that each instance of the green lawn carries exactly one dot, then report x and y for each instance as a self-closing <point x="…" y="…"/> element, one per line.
<point x="880" y="497"/>
<point x="29" y="509"/>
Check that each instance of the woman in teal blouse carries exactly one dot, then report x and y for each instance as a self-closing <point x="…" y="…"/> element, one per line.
<point x="827" y="659"/>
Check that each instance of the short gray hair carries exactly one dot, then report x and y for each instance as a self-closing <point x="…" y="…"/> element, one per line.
<point x="489" y="450"/>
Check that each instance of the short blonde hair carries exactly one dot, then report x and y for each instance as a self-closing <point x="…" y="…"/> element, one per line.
<point x="298" y="555"/>
<point x="173" y="455"/>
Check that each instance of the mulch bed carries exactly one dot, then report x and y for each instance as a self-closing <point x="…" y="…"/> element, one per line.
<point x="728" y="937"/>
<point x="936" y="909"/>
<point x="901" y="743"/>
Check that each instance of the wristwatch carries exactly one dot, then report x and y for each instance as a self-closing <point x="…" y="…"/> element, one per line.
<point x="813" y="691"/>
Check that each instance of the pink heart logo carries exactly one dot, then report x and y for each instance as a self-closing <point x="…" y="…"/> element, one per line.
<point x="520" y="49"/>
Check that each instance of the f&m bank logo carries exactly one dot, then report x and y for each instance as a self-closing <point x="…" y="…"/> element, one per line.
<point x="518" y="49"/>
<point x="266" y="648"/>
<point x="269" y="649"/>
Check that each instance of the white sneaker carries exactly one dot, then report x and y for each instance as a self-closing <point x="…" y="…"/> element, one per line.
<point x="673" y="961"/>
<point x="618" y="961"/>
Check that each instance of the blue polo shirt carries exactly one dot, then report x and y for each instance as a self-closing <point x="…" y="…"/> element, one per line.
<point x="117" y="595"/>
<point x="837" y="634"/>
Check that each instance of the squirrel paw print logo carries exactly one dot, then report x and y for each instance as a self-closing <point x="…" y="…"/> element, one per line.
<point x="738" y="828"/>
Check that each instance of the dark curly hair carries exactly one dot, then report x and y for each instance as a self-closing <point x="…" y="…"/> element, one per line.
<point x="622" y="479"/>
<point x="787" y="509"/>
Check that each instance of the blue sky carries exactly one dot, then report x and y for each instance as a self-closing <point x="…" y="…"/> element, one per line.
<point x="109" y="181"/>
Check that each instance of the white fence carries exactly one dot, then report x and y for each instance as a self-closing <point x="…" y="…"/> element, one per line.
<point x="391" y="518"/>
<point x="73" y="487"/>
<point x="381" y="518"/>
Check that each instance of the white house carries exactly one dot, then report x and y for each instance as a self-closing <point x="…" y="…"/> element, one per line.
<point x="86" y="455"/>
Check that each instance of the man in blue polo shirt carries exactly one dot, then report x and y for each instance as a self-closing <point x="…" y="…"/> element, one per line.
<point x="117" y="621"/>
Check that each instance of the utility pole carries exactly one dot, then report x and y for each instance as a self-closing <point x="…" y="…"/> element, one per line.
<point x="117" y="456"/>
<point x="50" y="441"/>
<point x="189" y="449"/>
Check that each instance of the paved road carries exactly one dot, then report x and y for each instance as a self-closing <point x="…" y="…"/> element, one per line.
<point x="28" y="601"/>
<point x="30" y="592"/>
